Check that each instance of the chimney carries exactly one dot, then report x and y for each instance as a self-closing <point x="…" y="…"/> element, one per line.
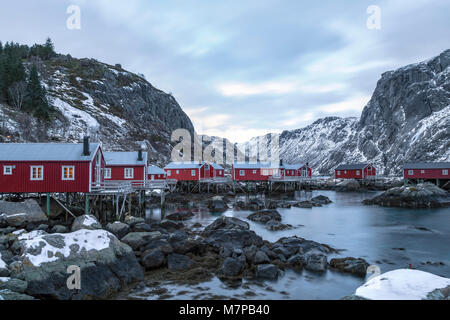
<point x="86" y="151"/>
<point x="307" y="164"/>
<point x="281" y="163"/>
<point x="140" y="157"/>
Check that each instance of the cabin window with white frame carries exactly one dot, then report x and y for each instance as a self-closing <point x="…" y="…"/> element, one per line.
<point x="242" y="173"/>
<point x="445" y="172"/>
<point x="36" y="173"/>
<point x="7" y="170"/>
<point x="193" y="173"/>
<point x="178" y="171"/>
<point x="68" y="173"/>
<point x="107" y="173"/>
<point x="358" y="172"/>
<point x="254" y="171"/>
<point x="169" y="173"/>
<point x="129" y="173"/>
<point x="422" y="171"/>
<point x="411" y="172"/>
<point x="339" y="173"/>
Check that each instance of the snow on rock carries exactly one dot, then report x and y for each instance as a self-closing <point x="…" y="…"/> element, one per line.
<point x="86" y="221"/>
<point x="42" y="248"/>
<point x="2" y="263"/>
<point x="78" y="118"/>
<point x="402" y="284"/>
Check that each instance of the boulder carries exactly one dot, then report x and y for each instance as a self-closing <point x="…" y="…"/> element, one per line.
<point x="226" y="223"/>
<point x="153" y="259"/>
<point x="267" y="272"/>
<point x="18" y="214"/>
<point x="316" y="262"/>
<point x="106" y="264"/>
<point x="13" y="284"/>
<point x="14" y="296"/>
<point x="274" y="225"/>
<point x="265" y="216"/>
<point x="138" y="239"/>
<point x="217" y="205"/>
<point x="296" y="262"/>
<point x="350" y="265"/>
<point x="119" y="229"/>
<point x="180" y="216"/>
<point x="231" y="267"/>
<point x="261" y="258"/>
<point x="4" y="271"/>
<point x="86" y="221"/>
<point x="171" y="225"/>
<point x="178" y="262"/>
<point x="348" y="185"/>
<point x="321" y="199"/>
<point x="304" y="204"/>
<point x="132" y="221"/>
<point x="142" y="227"/>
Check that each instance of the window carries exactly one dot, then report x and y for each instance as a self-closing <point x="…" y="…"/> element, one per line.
<point x="445" y="172"/>
<point x="152" y="177"/>
<point x="37" y="173"/>
<point x="242" y="173"/>
<point x="107" y="173"/>
<point x="358" y="172"/>
<point x="422" y="171"/>
<point x="345" y="171"/>
<point x="129" y="173"/>
<point x="411" y="172"/>
<point x="193" y="173"/>
<point x="178" y="171"/>
<point x="68" y="173"/>
<point x="339" y="173"/>
<point x="254" y="171"/>
<point x="7" y="170"/>
<point x="169" y="173"/>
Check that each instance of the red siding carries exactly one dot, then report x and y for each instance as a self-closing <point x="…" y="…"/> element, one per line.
<point x="156" y="177"/>
<point x="353" y="173"/>
<point x="183" y="174"/>
<point x="427" y="174"/>
<point x="252" y="174"/>
<point x="20" y="182"/>
<point x="118" y="173"/>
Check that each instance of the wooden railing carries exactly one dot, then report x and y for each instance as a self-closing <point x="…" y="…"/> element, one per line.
<point x="287" y="178"/>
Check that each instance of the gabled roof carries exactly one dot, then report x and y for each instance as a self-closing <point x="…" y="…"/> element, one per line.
<point x="216" y="166"/>
<point x="46" y="151"/>
<point x="184" y="165"/>
<point x="428" y="165"/>
<point x="155" y="170"/>
<point x="353" y="166"/>
<point x="294" y="166"/>
<point x="124" y="158"/>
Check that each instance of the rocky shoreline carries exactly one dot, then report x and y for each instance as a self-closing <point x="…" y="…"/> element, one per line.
<point x="35" y="253"/>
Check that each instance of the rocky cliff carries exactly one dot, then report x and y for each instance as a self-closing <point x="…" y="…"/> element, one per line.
<point x="114" y="106"/>
<point x="407" y="119"/>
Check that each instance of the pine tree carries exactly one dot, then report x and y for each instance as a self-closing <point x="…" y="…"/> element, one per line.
<point x="36" y="101"/>
<point x="48" y="49"/>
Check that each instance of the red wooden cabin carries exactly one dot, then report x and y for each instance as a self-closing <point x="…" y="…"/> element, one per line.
<point x="296" y="170"/>
<point x="126" y="166"/>
<point x="355" y="171"/>
<point x="156" y="173"/>
<point x="260" y="171"/>
<point x="423" y="171"/>
<point x="218" y="170"/>
<point x="50" y="167"/>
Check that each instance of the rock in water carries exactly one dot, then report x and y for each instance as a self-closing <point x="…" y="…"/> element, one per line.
<point x="18" y="214"/>
<point x="231" y="267"/>
<point x="265" y="216"/>
<point x="267" y="271"/>
<point x="137" y="240"/>
<point x="180" y="216"/>
<point x="321" y="199"/>
<point x="348" y="185"/>
<point x="86" y="221"/>
<point x="424" y="195"/>
<point x="106" y="264"/>
<point x="350" y="265"/>
<point x="316" y="262"/>
<point x="226" y="223"/>
<point x="119" y="229"/>
<point x="217" y="204"/>
<point x="153" y="259"/>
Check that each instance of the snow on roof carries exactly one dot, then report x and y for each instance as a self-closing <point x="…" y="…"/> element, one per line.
<point x="253" y="165"/>
<point x="294" y="166"/>
<point x="402" y="284"/>
<point x="429" y="165"/>
<point x="45" y="151"/>
<point x="155" y="170"/>
<point x="216" y="166"/>
<point x="353" y="166"/>
<point x="124" y="158"/>
<point x="184" y="165"/>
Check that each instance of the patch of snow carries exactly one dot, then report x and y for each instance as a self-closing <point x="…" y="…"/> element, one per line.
<point x="4" y="279"/>
<point x="89" y="220"/>
<point x="86" y="240"/>
<point x="74" y="114"/>
<point x="2" y="263"/>
<point x="402" y="284"/>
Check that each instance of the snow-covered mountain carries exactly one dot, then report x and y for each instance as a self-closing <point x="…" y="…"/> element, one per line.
<point x="114" y="106"/>
<point x="407" y="119"/>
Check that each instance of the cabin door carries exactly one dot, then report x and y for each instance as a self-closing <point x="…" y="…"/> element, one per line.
<point x="304" y="172"/>
<point x="98" y="168"/>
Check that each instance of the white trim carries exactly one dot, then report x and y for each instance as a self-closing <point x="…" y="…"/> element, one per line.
<point x="31" y="173"/>
<point x="128" y="176"/>
<point x="73" y="173"/>
<point x="10" y="173"/>
<point x="242" y="173"/>
<point x="410" y="172"/>
<point x="445" y="172"/>
<point x="107" y="173"/>
<point x="193" y="173"/>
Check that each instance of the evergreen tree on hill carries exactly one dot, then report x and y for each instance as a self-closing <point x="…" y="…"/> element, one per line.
<point x="36" y="101"/>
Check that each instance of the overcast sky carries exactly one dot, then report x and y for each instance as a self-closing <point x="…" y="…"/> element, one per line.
<point x="244" y="68"/>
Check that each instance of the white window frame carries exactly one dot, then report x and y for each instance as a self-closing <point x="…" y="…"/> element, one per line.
<point x="5" y="170"/>
<point x="128" y="176"/>
<point x="422" y="171"/>
<point x="178" y="171"/>
<point x="169" y="172"/>
<point x="358" y="173"/>
<point x="242" y="173"/>
<point x="339" y="173"/>
<point x="410" y="172"/>
<point x="445" y="172"/>
<point x="63" y="176"/>
<point x="31" y="173"/>
<point x="107" y="174"/>
<point x="194" y="173"/>
<point x="254" y="171"/>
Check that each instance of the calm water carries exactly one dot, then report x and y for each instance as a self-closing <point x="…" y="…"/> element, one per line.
<point x="391" y="238"/>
